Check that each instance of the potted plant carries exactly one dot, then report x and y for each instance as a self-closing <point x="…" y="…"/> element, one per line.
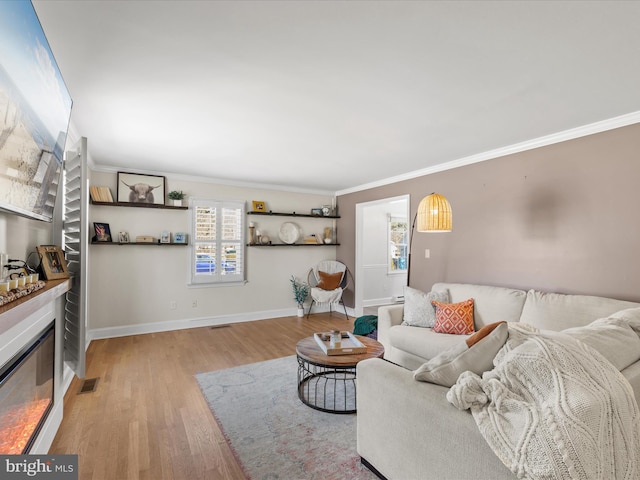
<point x="300" y="292"/>
<point x="177" y="197"/>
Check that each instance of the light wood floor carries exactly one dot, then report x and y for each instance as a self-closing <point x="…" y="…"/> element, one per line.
<point x="147" y="419"/>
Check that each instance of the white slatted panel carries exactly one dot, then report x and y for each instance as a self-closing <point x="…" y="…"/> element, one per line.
<point x="75" y="229"/>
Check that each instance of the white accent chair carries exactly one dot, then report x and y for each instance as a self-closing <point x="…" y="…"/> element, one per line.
<point x="321" y="296"/>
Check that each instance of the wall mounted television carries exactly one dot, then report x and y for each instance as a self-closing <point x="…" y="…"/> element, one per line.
<point x="35" y="109"/>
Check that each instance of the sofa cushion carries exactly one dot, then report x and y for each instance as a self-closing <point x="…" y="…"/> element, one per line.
<point x="447" y="367"/>
<point x="491" y="304"/>
<point x="556" y="311"/>
<point x="418" y="310"/>
<point x="454" y="318"/>
<point x="421" y="342"/>
<point x="613" y="338"/>
<point x="482" y="333"/>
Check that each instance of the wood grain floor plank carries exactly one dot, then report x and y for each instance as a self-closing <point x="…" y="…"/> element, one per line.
<point x="148" y="419"/>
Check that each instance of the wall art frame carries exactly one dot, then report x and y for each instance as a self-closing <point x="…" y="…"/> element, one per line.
<point x="141" y="188"/>
<point x="52" y="262"/>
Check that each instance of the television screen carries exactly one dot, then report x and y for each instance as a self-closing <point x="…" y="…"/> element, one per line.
<point x="35" y="108"/>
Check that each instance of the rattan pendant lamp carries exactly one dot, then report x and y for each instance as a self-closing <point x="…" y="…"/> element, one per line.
<point x="433" y="215"/>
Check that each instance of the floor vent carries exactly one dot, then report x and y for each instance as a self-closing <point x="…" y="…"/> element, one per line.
<point x="214" y="327"/>
<point x="88" y="385"/>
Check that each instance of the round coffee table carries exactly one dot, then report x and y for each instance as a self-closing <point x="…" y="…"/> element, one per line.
<point x="328" y="382"/>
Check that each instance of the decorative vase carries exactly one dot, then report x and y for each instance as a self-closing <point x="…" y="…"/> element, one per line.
<point x="177" y="203"/>
<point x="300" y="311"/>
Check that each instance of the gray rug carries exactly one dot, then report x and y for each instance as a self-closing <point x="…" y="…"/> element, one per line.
<point x="272" y="433"/>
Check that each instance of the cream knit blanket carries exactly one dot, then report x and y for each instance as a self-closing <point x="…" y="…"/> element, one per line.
<point x="554" y="408"/>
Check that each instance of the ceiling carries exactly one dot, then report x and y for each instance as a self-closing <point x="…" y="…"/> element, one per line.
<point x="332" y="95"/>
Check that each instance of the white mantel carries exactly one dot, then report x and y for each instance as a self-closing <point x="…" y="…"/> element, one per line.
<point x="20" y="322"/>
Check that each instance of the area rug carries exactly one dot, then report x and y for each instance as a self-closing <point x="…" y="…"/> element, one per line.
<point x="272" y="433"/>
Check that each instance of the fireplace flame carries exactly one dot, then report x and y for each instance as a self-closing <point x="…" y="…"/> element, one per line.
<point x="18" y="425"/>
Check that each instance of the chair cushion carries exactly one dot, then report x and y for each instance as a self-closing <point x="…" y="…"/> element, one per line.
<point x="454" y="318"/>
<point x="418" y="309"/>
<point x="329" y="281"/>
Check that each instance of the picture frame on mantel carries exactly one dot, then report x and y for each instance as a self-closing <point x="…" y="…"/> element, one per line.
<point x="140" y="188"/>
<point x="52" y="262"/>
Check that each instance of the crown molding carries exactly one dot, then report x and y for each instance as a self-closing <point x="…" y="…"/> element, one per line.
<point x="212" y="180"/>
<point x="571" y="134"/>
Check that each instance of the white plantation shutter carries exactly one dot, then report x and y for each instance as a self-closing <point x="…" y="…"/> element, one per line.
<point x="217" y="241"/>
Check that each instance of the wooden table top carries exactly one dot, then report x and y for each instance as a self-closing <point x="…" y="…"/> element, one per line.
<point x="309" y="350"/>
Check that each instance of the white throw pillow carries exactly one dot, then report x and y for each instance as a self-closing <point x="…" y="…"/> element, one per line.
<point x="446" y="368"/>
<point x="418" y="311"/>
<point x="613" y="338"/>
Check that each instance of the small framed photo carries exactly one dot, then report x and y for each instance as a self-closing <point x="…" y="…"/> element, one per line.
<point x="259" y="206"/>
<point x="179" y="237"/>
<point x="123" y="237"/>
<point x="316" y="212"/>
<point x="139" y="188"/>
<point x="102" y="232"/>
<point x="52" y="261"/>
<point x="165" y="237"/>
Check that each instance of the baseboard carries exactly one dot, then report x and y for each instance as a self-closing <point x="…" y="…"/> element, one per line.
<point x="156" y="327"/>
<point x="372" y="468"/>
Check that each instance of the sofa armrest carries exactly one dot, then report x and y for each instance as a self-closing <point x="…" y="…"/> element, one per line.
<point x="388" y="316"/>
<point x="408" y="429"/>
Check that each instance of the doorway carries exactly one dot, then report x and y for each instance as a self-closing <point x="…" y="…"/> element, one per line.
<point x="380" y="247"/>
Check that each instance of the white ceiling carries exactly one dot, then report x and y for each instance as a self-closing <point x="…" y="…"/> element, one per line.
<point x="331" y="95"/>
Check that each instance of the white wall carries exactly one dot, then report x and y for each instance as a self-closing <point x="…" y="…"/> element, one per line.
<point x="131" y="287"/>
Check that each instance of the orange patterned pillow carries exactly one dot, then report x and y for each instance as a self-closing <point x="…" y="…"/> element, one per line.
<point x="454" y="318"/>
<point x="329" y="281"/>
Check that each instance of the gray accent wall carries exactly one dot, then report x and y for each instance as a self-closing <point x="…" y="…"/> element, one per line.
<point x="560" y="218"/>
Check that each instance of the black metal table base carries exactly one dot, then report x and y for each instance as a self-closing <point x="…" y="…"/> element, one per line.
<point x="327" y="388"/>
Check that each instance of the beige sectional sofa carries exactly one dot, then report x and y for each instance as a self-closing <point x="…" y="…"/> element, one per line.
<point x="406" y="428"/>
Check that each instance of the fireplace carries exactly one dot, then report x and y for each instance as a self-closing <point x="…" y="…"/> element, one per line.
<point x="26" y="393"/>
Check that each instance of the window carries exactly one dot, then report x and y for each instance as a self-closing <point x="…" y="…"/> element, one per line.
<point x="217" y="246"/>
<point x="398" y="244"/>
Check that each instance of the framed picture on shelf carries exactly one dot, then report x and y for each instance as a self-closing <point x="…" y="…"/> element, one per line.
<point x="165" y="237"/>
<point x="123" y="237"/>
<point x="316" y="212"/>
<point x="139" y="188"/>
<point x="179" y="237"/>
<point x="52" y="262"/>
<point x="259" y="206"/>
<point x="102" y="233"/>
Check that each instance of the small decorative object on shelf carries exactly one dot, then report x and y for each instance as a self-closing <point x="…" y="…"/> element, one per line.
<point x="258" y="206"/>
<point x="100" y="194"/>
<point x="326" y="210"/>
<point x="145" y="239"/>
<point x="316" y="212"/>
<point x="179" y="237"/>
<point x="265" y="239"/>
<point x="123" y="237"/>
<point x="177" y="197"/>
<point x="102" y="232"/>
<point x="252" y="233"/>
<point x="165" y="237"/>
<point x="52" y="262"/>
<point x="300" y="292"/>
